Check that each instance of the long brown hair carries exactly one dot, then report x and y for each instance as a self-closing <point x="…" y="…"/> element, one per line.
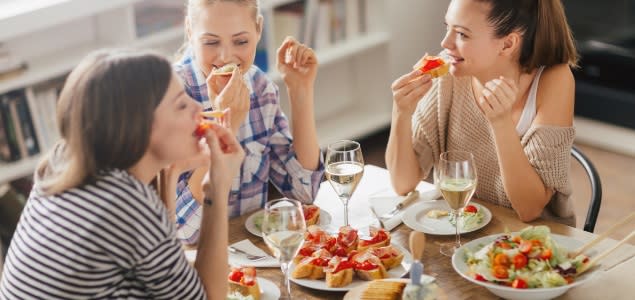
<point x="105" y="114"/>
<point x="193" y="7"/>
<point x="547" y="39"/>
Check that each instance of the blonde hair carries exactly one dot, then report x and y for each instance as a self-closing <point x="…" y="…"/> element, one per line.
<point x="194" y="7"/>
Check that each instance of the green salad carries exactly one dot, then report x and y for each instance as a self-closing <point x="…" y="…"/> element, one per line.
<point x="471" y="217"/>
<point x="531" y="259"/>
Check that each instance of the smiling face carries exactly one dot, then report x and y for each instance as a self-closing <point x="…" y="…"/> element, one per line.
<point x="470" y="40"/>
<point x="224" y="32"/>
<point x="175" y="121"/>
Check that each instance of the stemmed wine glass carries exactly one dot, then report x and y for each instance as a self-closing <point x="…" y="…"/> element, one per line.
<point x="457" y="182"/>
<point x="344" y="170"/>
<point x="283" y="230"/>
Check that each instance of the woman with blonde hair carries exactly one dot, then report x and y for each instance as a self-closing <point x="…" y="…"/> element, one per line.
<point x="93" y="227"/>
<point x="224" y="32"/>
<point x="508" y="99"/>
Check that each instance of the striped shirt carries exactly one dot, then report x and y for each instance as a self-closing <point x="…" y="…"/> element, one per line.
<point x="109" y="239"/>
<point x="268" y="145"/>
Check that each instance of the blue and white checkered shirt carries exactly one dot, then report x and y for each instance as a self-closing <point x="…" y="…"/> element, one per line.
<point x="269" y="153"/>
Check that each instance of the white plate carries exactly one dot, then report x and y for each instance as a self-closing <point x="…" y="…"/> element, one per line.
<point x="415" y="217"/>
<point x="320" y="284"/>
<point x="325" y="220"/>
<point x="459" y="265"/>
<point x="268" y="289"/>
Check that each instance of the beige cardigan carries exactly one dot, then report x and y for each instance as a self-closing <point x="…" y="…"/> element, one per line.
<point x="448" y="118"/>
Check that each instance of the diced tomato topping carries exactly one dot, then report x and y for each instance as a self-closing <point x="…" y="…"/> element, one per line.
<point x="525" y="247"/>
<point x="519" y="284"/>
<point x="504" y="245"/>
<point x="309" y="211"/>
<point x="431" y="64"/>
<point x="318" y="261"/>
<point x="339" y="251"/>
<point x="520" y="261"/>
<point x="307" y="251"/>
<point x="380" y="236"/>
<point x="501" y="260"/>
<point x="546" y="254"/>
<point x="536" y="243"/>
<point x="236" y="276"/>
<point x="366" y="266"/>
<point x="202" y="128"/>
<point x="343" y="265"/>
<point x="479" y="277"/>
<point x="470" y="209"/>
<point x="500" y="272"/>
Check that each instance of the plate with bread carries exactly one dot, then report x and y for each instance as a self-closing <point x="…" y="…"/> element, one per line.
<point x="244" y="284"/>
<point x="396" y="289"/>
<point x="344" y="261"/>
<point x="313" y="215"/>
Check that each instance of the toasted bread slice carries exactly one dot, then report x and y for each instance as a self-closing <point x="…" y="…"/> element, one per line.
<point x="339" y="279"/>
<point x="307" y="270"/>
<point x="225" y="70"/>
<point x="245" y="290"/>
<point x="377" y="273"/>
<point x="433" y="65"/>
<point x="311" y="214"/>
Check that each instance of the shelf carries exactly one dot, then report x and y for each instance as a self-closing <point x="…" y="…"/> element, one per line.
<point x="344" y="50"/>
<point x="353" y="123"/>
<point x="14" y="170"/>
<point x="24" y="17"/>
<point x="57" y="64"/>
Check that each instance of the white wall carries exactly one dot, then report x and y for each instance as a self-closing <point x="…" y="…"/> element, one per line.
<point x="417" y="27"/>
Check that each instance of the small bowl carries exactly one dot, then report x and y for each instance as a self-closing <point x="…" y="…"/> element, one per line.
<point x="461" y="267"/>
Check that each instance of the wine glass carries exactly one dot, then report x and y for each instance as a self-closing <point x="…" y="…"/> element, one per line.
<point x="283" y="230"/>
<point x="457" y="182"/>
<point x="344" y="170"/>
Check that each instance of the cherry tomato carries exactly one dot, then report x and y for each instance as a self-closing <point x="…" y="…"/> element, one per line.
<point x="501" y="260"/>
<point x="479" y="277"/>
<point x="520" y="261"/>
<point x="201" y="128"/>
<point x="519" y="284"/>
<point x="546" y="254"/>
<point x="500" y="272"/>
<point x="470" y="209"/>
<point x="525" y="247"/>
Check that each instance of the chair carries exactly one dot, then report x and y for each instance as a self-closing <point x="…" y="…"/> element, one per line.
<point x="596" y="188"/>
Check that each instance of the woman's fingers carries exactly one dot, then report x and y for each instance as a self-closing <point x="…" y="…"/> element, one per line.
<point x="409" y="78"/>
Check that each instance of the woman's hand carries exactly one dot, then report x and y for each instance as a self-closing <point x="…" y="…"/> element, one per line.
<point x="297" y="64"/>
<point x="230" y="92"/>
<point x="498" y="98"/>
<point x="226" y="157"/>
<point x="408" y="89"/>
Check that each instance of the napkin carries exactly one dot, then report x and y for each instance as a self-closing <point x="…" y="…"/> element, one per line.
<point x="384" y="201"/>
<point x="238" y="259"/>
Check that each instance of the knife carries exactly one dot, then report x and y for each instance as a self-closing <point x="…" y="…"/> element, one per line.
<point x="411" y="197"/>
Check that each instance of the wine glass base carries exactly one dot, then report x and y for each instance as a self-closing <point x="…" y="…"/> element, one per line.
<point x="448" y="249"/>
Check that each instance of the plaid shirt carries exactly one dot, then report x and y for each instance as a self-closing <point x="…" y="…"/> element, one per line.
<point x="269" y="153"/>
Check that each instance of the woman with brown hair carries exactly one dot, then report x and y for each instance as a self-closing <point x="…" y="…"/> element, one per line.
<point x="93" y="227"/>
<point x="508" y="99"/>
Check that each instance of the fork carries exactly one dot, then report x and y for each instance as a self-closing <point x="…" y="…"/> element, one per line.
<point x="248" y="255"/>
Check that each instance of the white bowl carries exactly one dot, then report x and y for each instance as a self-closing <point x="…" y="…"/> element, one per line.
<point x="461" y="267"/>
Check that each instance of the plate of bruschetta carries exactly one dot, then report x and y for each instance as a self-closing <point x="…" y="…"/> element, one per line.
<point x="344" y="261"/>
<point x="313" y="215"/>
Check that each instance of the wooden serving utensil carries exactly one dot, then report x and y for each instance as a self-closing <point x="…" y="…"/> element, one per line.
<point x="617" y="225"/>
<point x="417" y="243"/>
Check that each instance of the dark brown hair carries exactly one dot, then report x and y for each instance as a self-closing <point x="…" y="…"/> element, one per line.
<point x="105" y="114"/>
<point x="546" y="37"/>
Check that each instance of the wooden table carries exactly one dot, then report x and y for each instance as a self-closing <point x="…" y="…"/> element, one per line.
<point x="437" y="265"/>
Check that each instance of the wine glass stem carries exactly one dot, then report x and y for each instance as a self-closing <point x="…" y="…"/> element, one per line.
<point x="284" y="266"/>
<point x="345" y="212"/>
<point x="457" y="240"/>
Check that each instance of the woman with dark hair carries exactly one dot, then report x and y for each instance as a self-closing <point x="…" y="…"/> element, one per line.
<point x="93" y="227"/>
<point x="508" y="99"/>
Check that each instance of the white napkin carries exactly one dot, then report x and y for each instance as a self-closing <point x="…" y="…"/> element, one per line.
<point x="383" y="202"/>
<point x="238" y="259"/>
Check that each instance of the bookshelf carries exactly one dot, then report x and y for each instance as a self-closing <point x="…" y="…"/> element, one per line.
<point x="353" y="85"/>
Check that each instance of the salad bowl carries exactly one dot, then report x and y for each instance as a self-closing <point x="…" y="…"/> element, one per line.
<point x="461" y="266"/>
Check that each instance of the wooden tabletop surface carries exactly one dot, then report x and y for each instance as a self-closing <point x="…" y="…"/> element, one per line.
<point x="435" y="263"/>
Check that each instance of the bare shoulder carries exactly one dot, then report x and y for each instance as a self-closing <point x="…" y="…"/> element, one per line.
<point x="555" y="97"/>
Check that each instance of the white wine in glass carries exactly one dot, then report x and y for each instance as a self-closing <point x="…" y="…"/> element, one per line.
<point x="283" y="230"/>
<point x="457" y="183"/>
<point x="344" y="170"/>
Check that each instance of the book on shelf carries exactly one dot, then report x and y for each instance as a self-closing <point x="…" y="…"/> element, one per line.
<point x="26" y="124"/>
<point x="9" y="130"/>
<point x="328" y="22"/>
